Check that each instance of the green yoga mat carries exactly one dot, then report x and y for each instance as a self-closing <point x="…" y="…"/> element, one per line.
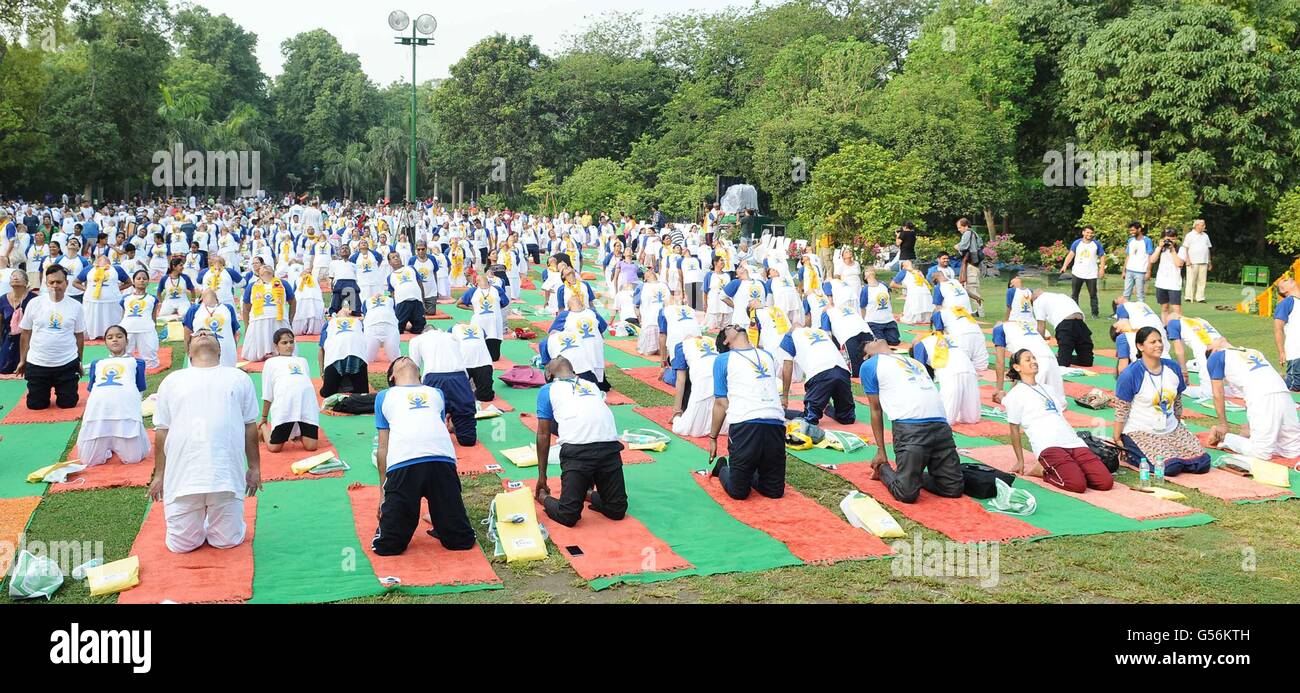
<point x="91" y="354"/>
<point x="622" y="359"/>
<point x="1063" y="515"/>
<point x="11" y="393"/>
<point x="352" y="438"/>
<point x="519" y="351"/>
<point x="26" y="448"/>
<point x="305" y="548"/>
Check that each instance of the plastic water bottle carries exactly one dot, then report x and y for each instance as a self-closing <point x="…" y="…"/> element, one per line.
<point x="1160" y="470"/>
<point x="1144" y="474"/>
<point x="79" y="573"/>
<point x="374" y="451"/>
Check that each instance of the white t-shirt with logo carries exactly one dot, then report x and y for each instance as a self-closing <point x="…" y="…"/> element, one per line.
<point x="1086" y="254"/>
<point x="1248" y="371"/>
<point x="1168" y="274"/>
<point x="907" y="394"/>
<point x="569" y="345"/>
<point x="696" y="355"/>
<point x="1040" y="412"/>
<point x="578" y="410"/>
<point x="1139" y="253"/>
<point x="1152" y="396"/>
<point x="473" y="345"/>
<point x="415" y="418"/>
<point x="813" y="351"/>
<point x="1053" y="308"/>
<point x="748" y="380"/>
<point x="286" y="384"/>
<point x="877" y="304"/>
<point x="54" y="328"/>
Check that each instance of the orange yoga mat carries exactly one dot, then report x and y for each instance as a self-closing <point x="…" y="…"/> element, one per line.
<point x="111" y="474"/>
<point x="20" y="414"/>
<point x="425" y="562"/>
<point x="205" y="575"/>
<point x="475" y="460"/>
<point x="277" y="466"/>
<point x="961" y="519"/>
<point x="164" y="361"/>
<point x="607" y="548"/>
<point x="629" y="456"/>
<point x="650" y="376"/>
<point x="14" y="514"/>
<point x="809" y="530"/>
<point x="1120" y="499"/>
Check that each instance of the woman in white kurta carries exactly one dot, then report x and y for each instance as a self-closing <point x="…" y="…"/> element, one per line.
<point x="850" y="273"/>
<point x="102" y="284"/>
<point x="918" y="303"/>
<point x="785" y="295"/>
<point x="157" y="257"/>
<point x="139" y="313"/>
<point x="113" y="422"/>
<point x="651" y="301"/>
<point x="718" y="313"/>
<point x="695" y="356"/>
<point x="488" y="304"/>
<point x="268" y="306"/>
<point x="309" y="314"/>
<point x="290" y="410"/>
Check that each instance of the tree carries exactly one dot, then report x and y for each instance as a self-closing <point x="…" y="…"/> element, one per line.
<point x="221" y="43"/>
<point x="1182" y="82"/>
<point x="322" y="101"/>
<point x="860" y="194"/>
<point x="1171" y="203"/>
<point x="680" y="193"/>
<point x="601" y="184"/>
<point x="1286" y="223"/>
<point x="388" y="148"/>
<point x="544" y="189"/>
<point x="488" y="109"/>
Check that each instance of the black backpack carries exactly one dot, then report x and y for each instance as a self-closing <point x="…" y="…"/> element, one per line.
<point x="980" y="480"/>
<point x="1105" y="450"/>
<point x="356" y="404"/>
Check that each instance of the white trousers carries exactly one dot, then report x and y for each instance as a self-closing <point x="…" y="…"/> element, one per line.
<point x="214" y="518"/>
<point x="960" y="393"/>
<point x="697" y="419"/>
<point x="145" y="346"/>
<point x="385" y="336"/>
<point x="975" y="347"/>
<point x="1274" y="429"/>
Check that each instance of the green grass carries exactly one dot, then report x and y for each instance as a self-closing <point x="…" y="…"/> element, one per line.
<point x="1247" y="555"/>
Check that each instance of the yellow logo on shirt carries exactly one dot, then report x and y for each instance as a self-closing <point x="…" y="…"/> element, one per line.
<point x="137" y="308"/>
<point x="56" y="320"/>
<point x="1164" y="402"/>
<point x="587" y="329"/>
<point x="417" y="400"/>
<point x="111" y="377"/>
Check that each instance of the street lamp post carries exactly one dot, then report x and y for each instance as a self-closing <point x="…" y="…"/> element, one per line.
<point x="424" y="24"/>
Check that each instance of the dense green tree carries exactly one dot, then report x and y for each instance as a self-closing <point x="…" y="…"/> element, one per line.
<point x="1166" y="200"/>
<point x="860" y="194"/>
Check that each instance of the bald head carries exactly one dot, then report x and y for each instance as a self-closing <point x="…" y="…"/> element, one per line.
<point x="559" y="367"/>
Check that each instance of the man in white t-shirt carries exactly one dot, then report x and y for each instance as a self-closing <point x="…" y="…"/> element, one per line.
<point x="1086" y="253"/>
<point x="51" y="345"/>
<point x="1073" y="336"/>
<point x="1137" y="265"/>
<point x="747" y="399"/>
<point x="1270" y="411"/>
<point x="1169" y="260"/>
<point x="897" y="386"/>
<point x="416" y="461"/>
<point x="206" y="457"/>
<point x="1197" y="244"/>
<point x="574" y="410"/>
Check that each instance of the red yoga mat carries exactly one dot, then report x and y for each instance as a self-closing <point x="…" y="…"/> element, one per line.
<point x="425" y="562"/>
<point x="20" y="414"/>
<point x="111" y="474"/>
<point x="650" y="376"/>
<point x="205" y="575"/>
<point x="607" y="548"/>
<point x="809" y="530"/>
<point x="961" y="519"/>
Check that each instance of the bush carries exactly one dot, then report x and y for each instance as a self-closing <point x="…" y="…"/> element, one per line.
<point x="1005" y="248"/>
<point x="1051" y="256"/>
<point x="1286" y="222"/>
<point x="929" y="247"/>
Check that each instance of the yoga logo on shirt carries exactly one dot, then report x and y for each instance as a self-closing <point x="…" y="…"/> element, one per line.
<point x="706" y="348"/>
<point x="816" y="337"/>
<point x="587" y="329"/>
<point x="111" y="377"/>
<point x="377" y="300"/>
<point x="137" y="309"/>
<point x="417" y="400"/>
<point x="405" y="278"/>
<point x="295" y="369"/>
<point x="1164" y="402"/>
<point x="582" y="389"/>
<point x="56" y="320"/>
<point x="685" y="314"/>
<point x="912" y="367"/>
<point x="470" y="333"/>
<point x="760" y="369"/>
<point x="567" y="343"/>
<point x="344" y="325"/>
<point x="883" y="303"/>
<point x="1255" y="359"/>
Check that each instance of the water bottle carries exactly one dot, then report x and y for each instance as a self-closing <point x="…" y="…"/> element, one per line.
<point x="1144" y="474"/>
<point x="374" y="451"/>
<point x="79" y="573"/>
<point x="1160" y="470"/>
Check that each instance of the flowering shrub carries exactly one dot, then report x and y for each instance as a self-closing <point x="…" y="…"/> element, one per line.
<point x="1053" y="255"/>
<point x="1005" y="248"/>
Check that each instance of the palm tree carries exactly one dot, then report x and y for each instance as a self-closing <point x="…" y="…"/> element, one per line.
<point x="388" y="147"/>
<point x="348" y="168"/>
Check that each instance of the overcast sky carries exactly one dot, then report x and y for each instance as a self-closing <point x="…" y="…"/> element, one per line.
<point x="362" y="28"/>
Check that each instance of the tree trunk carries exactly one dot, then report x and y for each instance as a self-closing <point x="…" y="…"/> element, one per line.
<point x="388" y="185"/>
<point x="989" y="223"/>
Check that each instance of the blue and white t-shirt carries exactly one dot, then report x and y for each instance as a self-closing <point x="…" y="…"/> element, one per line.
<point x="747" y="378"/>
<point x="877" y="304"/>
<point x="844" y="322"/>
<point x="1021" y="303"/>
<point x="1286" y="312"/>
<point x="578" y="411"/>
<point x="415" y="419"/>
<point x="1086" y="258"/>
<point x="1014" y="336"/>
<point x="1249" y="372"/>
<point x="696" y="355"/>
<point x="1139" y="254"/>
<point x="1152" y="395"/>
<point x="813" y="350"/>
<point x="907" y="394"/>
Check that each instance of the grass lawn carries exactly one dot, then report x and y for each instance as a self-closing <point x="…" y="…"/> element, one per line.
<point x="1246" y="555"/>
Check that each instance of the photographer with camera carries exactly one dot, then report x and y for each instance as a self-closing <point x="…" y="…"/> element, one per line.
<point x="1171" y="257"/>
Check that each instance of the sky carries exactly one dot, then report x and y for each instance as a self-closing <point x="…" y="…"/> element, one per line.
<point x="362" y="28"/>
